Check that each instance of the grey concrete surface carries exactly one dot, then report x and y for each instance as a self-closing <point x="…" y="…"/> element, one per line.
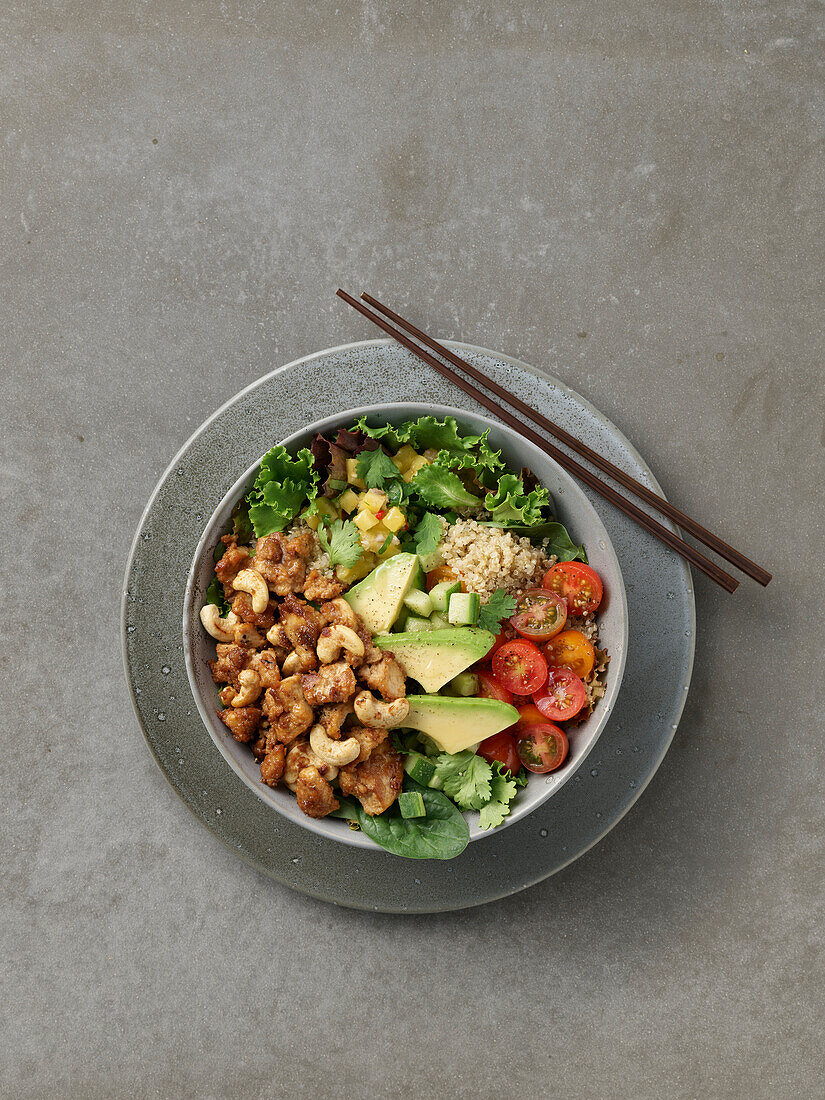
<point x="629" y="194"/>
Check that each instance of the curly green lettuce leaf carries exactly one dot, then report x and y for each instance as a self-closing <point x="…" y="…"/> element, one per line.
<point x="428" y="534"/>
<point x="510" y="504"/>
<point x="282" y="486"/>
<point x="342" y="543"/>
<point x="428" y="432"/>
<point x="441" y="488"/>
<point x="499" y="606"/>
<point x="375" y="468"/>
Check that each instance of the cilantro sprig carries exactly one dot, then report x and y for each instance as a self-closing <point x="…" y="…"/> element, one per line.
<point x="376" y="468"/>
<point x="499" y="606"/>
<point x="343" y="543"/>
<point x="428" y="534"/>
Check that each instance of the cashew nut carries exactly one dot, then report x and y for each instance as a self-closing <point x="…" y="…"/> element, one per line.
<point x="335" y="638"/>
<point x="251" y="582"/>
<point x="220" y="629"/>
<point x="292" y="664"/>
<point x="373" y="712"/>
<point x="277" y="636"/>
<point x="337" y="753"/>
<point x="246" y="634"/>
<point x="302" y="756"/>
<point x="250" y="683"/>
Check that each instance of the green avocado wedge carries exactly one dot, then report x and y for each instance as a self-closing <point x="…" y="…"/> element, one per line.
<point x="379" y="597"/>
<point x="434" y="657"/>
<point x="456" y="724"/>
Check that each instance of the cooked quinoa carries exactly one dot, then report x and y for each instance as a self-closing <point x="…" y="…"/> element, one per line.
<point x="320" y="558"/>
<point x="487" y="558"/>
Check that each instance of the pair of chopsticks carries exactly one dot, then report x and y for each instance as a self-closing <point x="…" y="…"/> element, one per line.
<point x="664" y="507"/>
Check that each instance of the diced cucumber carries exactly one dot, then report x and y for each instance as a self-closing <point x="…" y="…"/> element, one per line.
<point x="465" y="608"/>
<point x="466" y="684"/>
<point x="411" y="804"/>
<point x="415" y="623"/>
<point x="439" y="621"/>
<point x="440" y="594"/>
<point x="419" y="768"/>
<point x="419" y="602"/>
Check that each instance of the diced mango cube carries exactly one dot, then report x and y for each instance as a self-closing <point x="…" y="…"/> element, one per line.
<point x="357" y="572"/>
<point x="405" y="456"/>
<point x="417" y="463"/>
<point x="326" y="507"/>
<point x="393" y="548"/>
<point x="352" y="473"/>
<point x="365" y="519"/>
<point x="375" y="500"/>
<point x="394" y="520"/>
<point x="348" y="500"/>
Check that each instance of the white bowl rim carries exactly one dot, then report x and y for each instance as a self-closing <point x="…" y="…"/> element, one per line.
<point x="336" y="829"/>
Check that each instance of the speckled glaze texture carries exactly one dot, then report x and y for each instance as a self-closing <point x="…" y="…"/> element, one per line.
<point x="660" y="611"/>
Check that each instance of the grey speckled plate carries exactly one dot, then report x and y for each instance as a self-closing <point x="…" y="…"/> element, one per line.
<point x="631" y="747"/>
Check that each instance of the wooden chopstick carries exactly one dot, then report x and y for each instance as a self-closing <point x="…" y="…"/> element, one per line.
<point x="750" y="568"/>
<point x="723" y="579"/>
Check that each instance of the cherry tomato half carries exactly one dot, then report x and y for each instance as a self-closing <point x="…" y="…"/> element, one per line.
<point x="501" y="747"/>
<point x="520" y="667"/>
<point x="490" y="688"/>
<point x="580" y="585"/>
<point x="563" y="697"/>
<point x="528" y="715"/>
<point x="441" y="573"/>
<point x="543" y="748"/>
<point x="572" y="650"/>
<point x="540" y="614"/>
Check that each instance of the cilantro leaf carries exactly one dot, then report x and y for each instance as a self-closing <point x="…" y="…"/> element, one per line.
<point x="510" y="504"/>
<point x="465" y="777"/>
<point x="281" y="487"/>
<point x="343" y="543"/>
<point x="502" y="793"/>
<point x="499" y="606"/>
<point x="441" y="488"/>
<point x="375" y="468"/>
<point x="428" y="534"/>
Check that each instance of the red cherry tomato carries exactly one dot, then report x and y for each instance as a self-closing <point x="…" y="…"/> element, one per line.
<point x="490" y="688"/>
<point x="580" y="585"/>
<point x="563" y="697"/>
<point x="540" y="615"/>
<point x="543" y="748"/>
<point x="501" y="747"/>
<point x="520" y="667"/>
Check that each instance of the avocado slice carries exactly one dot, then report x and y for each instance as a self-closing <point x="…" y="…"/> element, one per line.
<point x="456" y="724"/>
<point x="379" y="597"/>
<point x="434" y="657"/>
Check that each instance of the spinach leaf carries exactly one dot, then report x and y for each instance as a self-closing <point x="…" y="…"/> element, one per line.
<point x="442" y="834"/>
<point x="560" y="542"/>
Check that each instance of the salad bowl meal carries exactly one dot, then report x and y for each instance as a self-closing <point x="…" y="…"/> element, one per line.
<point x="405" y="627"/>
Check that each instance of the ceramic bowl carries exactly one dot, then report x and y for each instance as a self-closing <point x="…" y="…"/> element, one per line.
<point x="572" y="508"/>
